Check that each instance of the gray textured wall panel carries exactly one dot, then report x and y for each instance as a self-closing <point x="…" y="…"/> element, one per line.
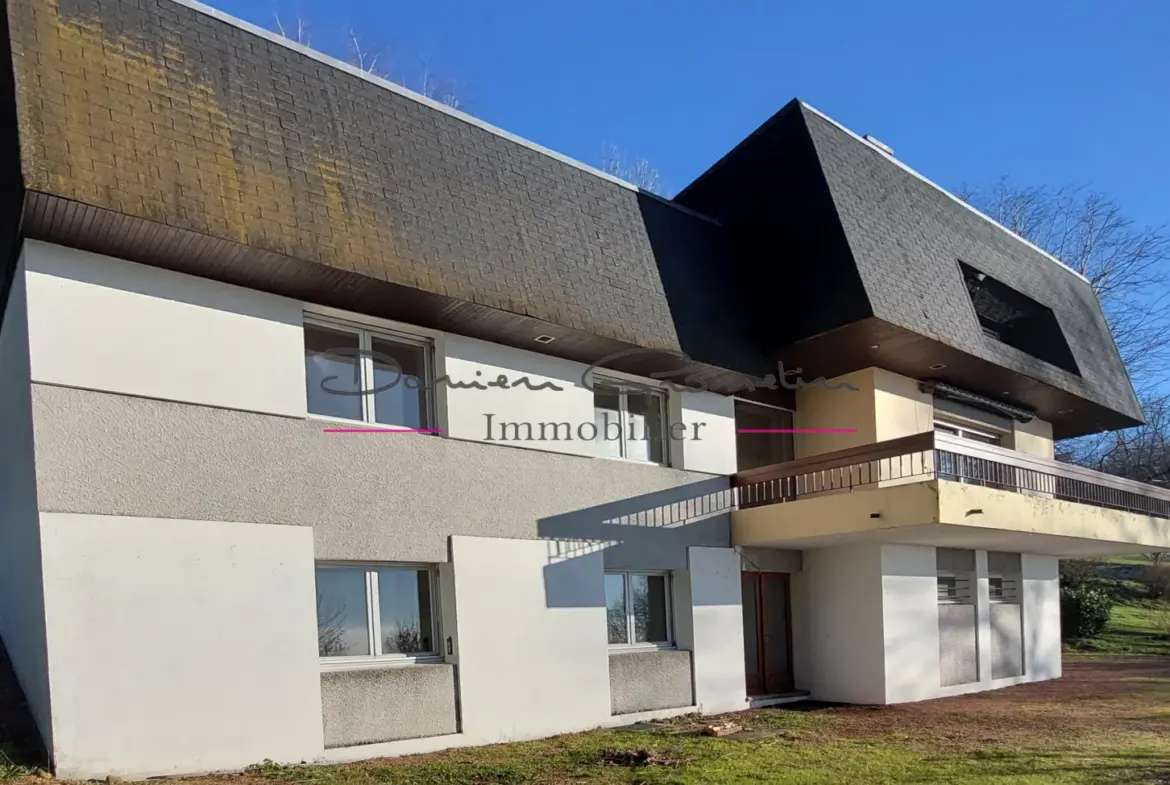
<point x="1007" y="641"/>
<point x="957" y="652"/>
<point x="645" y="681"/>
<point x="389" y="498"/>
<point x="385" y="704"/>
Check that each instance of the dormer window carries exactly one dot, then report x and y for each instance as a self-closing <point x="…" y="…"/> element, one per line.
<point x="1017" y="320"/>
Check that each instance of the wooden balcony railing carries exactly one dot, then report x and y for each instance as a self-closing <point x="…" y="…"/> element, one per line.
<point x="927" y="456"/>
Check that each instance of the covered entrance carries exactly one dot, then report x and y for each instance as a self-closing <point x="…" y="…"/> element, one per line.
<point x="767" y="632"/>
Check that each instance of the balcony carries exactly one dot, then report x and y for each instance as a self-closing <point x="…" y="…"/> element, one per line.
<point x="939" y="489"/>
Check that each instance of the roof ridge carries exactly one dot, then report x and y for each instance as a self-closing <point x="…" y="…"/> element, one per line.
<point x="406" y="92"/>
<point x="884" y="154"/>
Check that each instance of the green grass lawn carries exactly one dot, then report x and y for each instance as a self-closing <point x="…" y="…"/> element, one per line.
<point x="1107" y="720"/>
<point x="1136" y="627"/>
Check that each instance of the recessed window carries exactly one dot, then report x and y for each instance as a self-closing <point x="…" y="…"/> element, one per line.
<point x="1003" y="588"/>
<point x="638" y="609"/>
<point x="1017" y="320"/>
<point x="365" y="375"/>
<point x="983" y="436"/>
<point x="376" y="611"/>
<point x="757" y="447"/>
<point x="630" y="422"/>
<point x="954" y="589"/>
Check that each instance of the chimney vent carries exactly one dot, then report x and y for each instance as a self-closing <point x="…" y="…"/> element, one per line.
<point x="879" y="144"/>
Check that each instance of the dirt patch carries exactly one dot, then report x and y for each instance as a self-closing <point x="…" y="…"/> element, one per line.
<point x="1091" y="698"/>
<point x="636" y="758"/>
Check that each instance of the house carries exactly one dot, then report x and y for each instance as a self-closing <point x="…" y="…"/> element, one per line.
<point x="237" y="272"/>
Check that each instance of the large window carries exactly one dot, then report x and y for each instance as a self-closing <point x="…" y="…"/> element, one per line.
<point x="638" y="609"/>
<point x="630" y="421"/>
<point x="1012" y="317"/>
<point x="754" y="445"/>
<point x="965" y="468"/>
<point x="376" y="611"/>
<point x="366" y="375"/>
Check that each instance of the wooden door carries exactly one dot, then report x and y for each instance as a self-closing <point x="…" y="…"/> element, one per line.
<point x="767" y="632"/>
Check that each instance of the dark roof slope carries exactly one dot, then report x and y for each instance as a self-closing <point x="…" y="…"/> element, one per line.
<point x="907" y="238"/>
<point x="840" y="233"/>
<point x="156" y="111"/>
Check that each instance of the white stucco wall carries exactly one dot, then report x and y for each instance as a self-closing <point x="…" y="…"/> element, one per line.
<point x="179" y="646"/>
<point x="466" y="410"/>
<point x="22" y="626"/>
<point x="102" y="323"/>
<point x="1041" y="608"/>
<point x="910" y="622"/>
<point x="529" y="637"/>
<point x="469" y="360"/>
<point x="707" y="596"/>
<point x="845" y="618"/>
<point x="714" y="449"/>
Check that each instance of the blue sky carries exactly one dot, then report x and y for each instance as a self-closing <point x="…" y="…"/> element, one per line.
<point x="1049" y="92"/>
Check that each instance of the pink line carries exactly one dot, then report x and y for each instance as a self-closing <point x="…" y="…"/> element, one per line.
<point x="382" y="430"/>
<point x="796" y="430"/>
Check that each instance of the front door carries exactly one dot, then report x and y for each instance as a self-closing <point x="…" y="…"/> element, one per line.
<point x="767" y="632"/>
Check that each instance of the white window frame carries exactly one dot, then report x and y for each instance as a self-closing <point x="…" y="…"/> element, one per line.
<point x="374" y="618"/>
<point x="963" y="428"/>
<point x="624" y="388"/>
<point x="366" y="336"/>
<point x="669" y="643"/>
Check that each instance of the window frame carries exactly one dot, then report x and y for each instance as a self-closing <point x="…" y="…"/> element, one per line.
<point x="630" y="644"/>
<point x="964" y="590"/>
<point x="366" y="335"/>
<point x="374" y="618"/>
<point x="1009" y="589"/>
<point x="623" y="388"/>
<point x="776" y="407"/>
<point x="982" y="430"/>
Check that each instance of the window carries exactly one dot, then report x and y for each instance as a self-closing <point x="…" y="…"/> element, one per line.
<point x="365" y="375"/>
<point x="1002" y="588"/>
<point x="753" y="450"/>
<point x="630" y="421"/>
<point x="637" y="609"/>
<point x="967" y="468"/>
<point x="1013" y="318"/>
<point x="966" y="432"/>
<point x="376" y="611"/>
<point x="954" y="589"/>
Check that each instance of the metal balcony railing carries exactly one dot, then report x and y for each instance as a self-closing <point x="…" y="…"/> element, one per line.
<point x="928" y="456"/>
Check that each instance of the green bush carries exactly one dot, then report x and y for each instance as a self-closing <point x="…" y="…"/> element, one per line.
<point x="1084" y="611"/>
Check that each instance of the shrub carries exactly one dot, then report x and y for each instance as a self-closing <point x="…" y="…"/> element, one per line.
<point x="1084" y="611"/>
<point x="1074" y="572"/>
<point x="1156" y="580"/>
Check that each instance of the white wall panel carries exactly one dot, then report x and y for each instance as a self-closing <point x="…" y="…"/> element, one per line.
<point x="467" y="360"/>
<point x="102" y="323"/>
<point x="707" y="430"/>
<point x="716" y="629"/>
<point x="179" y="646"/>
<point x="532" y="649"/>
<point x="847" y="648"/>
<point x="1041" y="610"/>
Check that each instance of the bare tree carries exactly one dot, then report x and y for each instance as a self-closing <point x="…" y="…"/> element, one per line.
<point x="634" y="170"/>
<point x="1127" y="264"/>
<point x="330" y="629"/>
<point x="373" y="60"/>
<point x="300" y="33"/>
